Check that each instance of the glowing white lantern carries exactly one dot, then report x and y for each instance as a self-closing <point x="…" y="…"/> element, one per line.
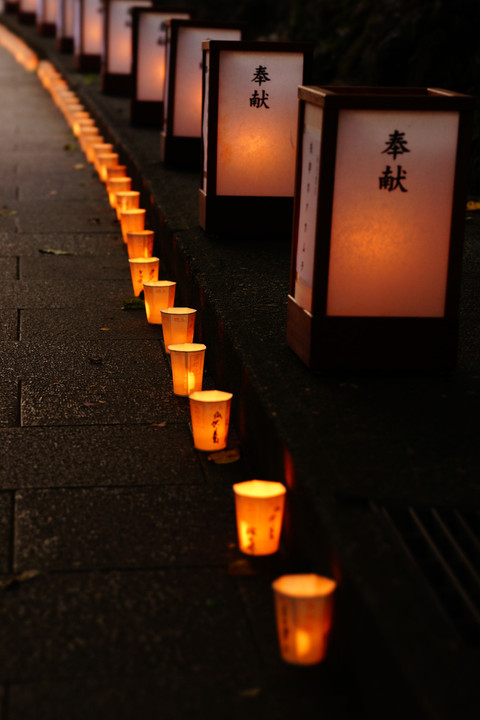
<point x="210" y="415"/>
<point x="87" y="34"/>
<point x="148" y="64"/>
<point x="250" y="122"/>
<point x="182" y="107"/>
<point x="378" y="231"/>
<point x="116" y="74"/>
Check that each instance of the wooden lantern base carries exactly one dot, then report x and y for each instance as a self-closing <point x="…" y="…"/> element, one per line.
<point x="65" y="45"/>
<point x="147" y="113"/>
<point x="226" y="214"/>
<point x="27" y="18"/>
<point x="119" y="84"/>
<point x="87" y="63"/>
<point x="181" y="152"/>
<point x="371" y="343"/>
<point x="46" y="29"/>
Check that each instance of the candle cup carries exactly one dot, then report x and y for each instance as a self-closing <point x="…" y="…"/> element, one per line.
<point x="115" y="171"/>
<point x="132" y="221"/>
<point x="259" y="506"/>
<point x="178" y="325"/>
<point x="127" y="200"/>
<point x="140" y="243"/>
<point x="106" y="160"/>
<point x="158" y="294"/>
<point x="143" y="270"/>
<point x="187" y="367"/>
<point x="116" y="185"/>
<point x="303" y="607"/>
<point x="81" y="120"/>
<point x="210" y="415"/>
<point x="89" y="136"/>
<point x="96" y="149"/>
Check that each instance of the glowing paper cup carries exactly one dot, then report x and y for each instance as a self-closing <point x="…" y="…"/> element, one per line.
<point x="259" y="508"/>
<point x="127" y="200"/>
<point x="143" y="270"/>
<point x="303" y="607"/>
<point x="132" y="221"/>
<point x="187" y="367"/>
<point x="116" y="185"/>
<point x="178" y="325"/>
<point x="140" y="244"/>
<point x="158" y="294"/>
<point x="210" y="414"/>
<point x="106" y="160"/>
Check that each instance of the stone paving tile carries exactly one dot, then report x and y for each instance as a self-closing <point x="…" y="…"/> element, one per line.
<point x="97" y="323"/>
<point x="63" y="293"/>
<point x="78" y="216"/>
<point x="97" y="625"/>
<point x="8" y="324"/>
<point x="88" y="383"/>
<point x="9" y="415"/>
<point x="77" y="269"/>
<point x="92" y="456"/>
<point x="102" y="528"/>
<point x="5" y="530"/>
<point x="92" y="243"/>
<point x="72" y="184"/>
<point x="8" y="269"/>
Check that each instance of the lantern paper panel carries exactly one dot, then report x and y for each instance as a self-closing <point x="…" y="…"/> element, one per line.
<point x="303" y="608"/>
<point x="187" y="367"/>
<point x="148" y="63"/>
<point x="182" y="122"/>
<point x="376" y="256"/>
<point x="117" y="46"/>
<point x="210" y="415"/>
<point x="259" y="506"/>
<point x="88" y="34"/>
<point x="250" y="127"/>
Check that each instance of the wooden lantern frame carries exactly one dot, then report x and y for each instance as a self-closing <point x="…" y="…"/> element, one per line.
<point x="26" y="17"/>
<point x="112" y="83"/>
<point x="177" y="150"/>
<point x="147" y="112"/>
<point x="223" y="213"/>
<point x="85" y="61"/>
<point x="375" y="342"/>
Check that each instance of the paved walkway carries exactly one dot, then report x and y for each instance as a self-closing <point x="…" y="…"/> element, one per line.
<point x="123" y="594"/>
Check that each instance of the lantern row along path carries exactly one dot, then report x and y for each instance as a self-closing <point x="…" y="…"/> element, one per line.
<point x="123" y="594"/>
<point x="143" y="606"/>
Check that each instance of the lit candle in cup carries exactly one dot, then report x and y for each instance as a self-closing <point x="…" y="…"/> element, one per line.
<point x="187" y="367"/>
<point x="140" y="244"/>
<point x="259" y="508"/>
<point x="210" y="415"/>
<point x="178" y="325"/>
<point x="158" y="294"/>
<point x="132" y="221"/>
<point x="127" y="200"/>
<point x="303" y="606"/>
<point x="116" y="185"/>
<point x="143" y="270"/>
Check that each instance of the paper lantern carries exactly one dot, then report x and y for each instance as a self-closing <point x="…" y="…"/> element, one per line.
<point x="88" y="21"/>
<point x="116" y="67"/>
<point x="210" y="415"/>
<point x="159" y="295"/>
<point x="187" y="367"/>
<point x="259" y="506"/>
<point x="132" y="221"/>
<point x="64" y="26"/>
<point x="80" y="121"/>
<point x="378" y="231"/>
<point x="89" y="136"/>
<point x="140" y="244"/>
<point x="148" y="63"/>
<point x="98" y="149"/>
<point x="46" y="17"/>
<point x="115" y="172"/>
<point x="116" y="185"/>
<point x="143" y="270"/>
<point x="126" y="200"/>
<point x="178" y="325"/>
<point x="303" y="608"/>
<point x="106" y="160"/>
<point x="182" y="108"/>
<point x="249" y="135"/>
